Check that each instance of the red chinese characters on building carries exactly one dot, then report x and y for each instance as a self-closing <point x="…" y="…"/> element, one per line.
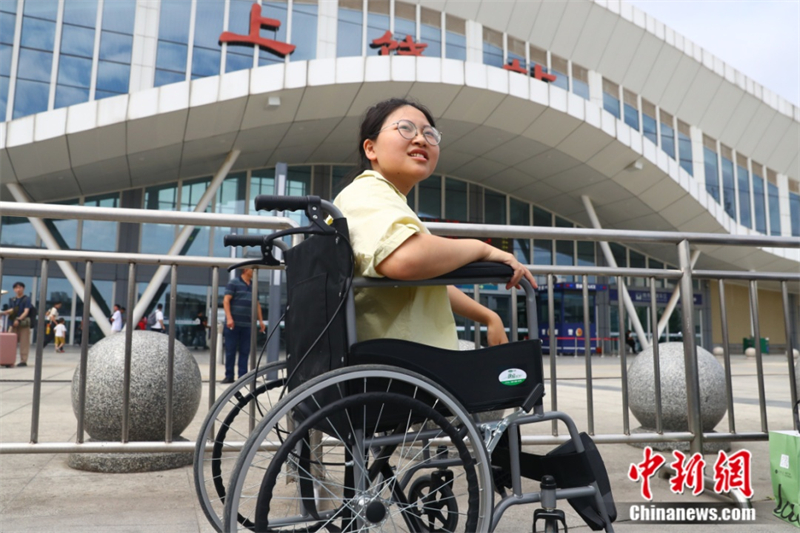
<point x="688" y="474"/>
<point x="254" y="37"/>
<point x="645" y="470"/>
<point x="733" y="472"/>
<point x="536" y="71"/>
<point x="406" y="47"/>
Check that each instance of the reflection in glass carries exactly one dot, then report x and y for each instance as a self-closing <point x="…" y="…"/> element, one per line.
<point x="116" y="47"/>
<point x="4" y="81"/>
<point x="794" y="212"/>
<point x="174" y="21"/>
<point x="207" y="50"/>
<point x="728" y="187"/>
<point x="34" y="65"/>
<point x="112" y="77"/>
<point x="611" y="104"/>
<point x="118" y="16"/>
<point x="100" y="234"/>
<point x="158" y="238"/>
<point x="7" y="28"/>
<point x="80" y="13"/>
<point x="77" y="41"/>
<point x="38" y="34"/>
<point x="430" y="198"/>
<point x="31" y="97"/>
<point x="67" y="96"/>
<point x="774" y="210"/>
<point x="455" y="200"/>
<point x="712" y="172"/>
<point x="632" y="117"/>
<point x="668" y="140"/>
<point x="758" y="201"/>
<point x="649" y="130"/>
<point x="430" y="32"/>
<point x="348" y="42"/>
<point x="304" y="30"/>
<point x="685" y="153"/>
<point x="15" y="231"/>
<point x="744" y="196"/>
<point x="492" y="48"/>
<point x="75" y="71"/>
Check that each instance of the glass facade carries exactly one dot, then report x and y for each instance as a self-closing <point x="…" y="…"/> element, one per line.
<point x="649" y="126"/>
<point x="304" y="30"/>
<point x="116" y="46"/>
<point x="77" y="51"/>
<point x="377" y="23"/>
<point x="685" y="148"/>
<point x="100" y="235"/>
<point x="743" y="182"/>
<point x="580" y="81"/>
<point x="8" y="11"/>
<point x="34" y="71"/>
<point x="711" y="166"/>
<point x="276" y="10"/>
<point x="631" y="107"/>
<point x="492" y="48"/>
<point x="348" y="36"/>
<point x="430" y="31"/>
<point x="667" y="135"/>
<point x="759" y="207"/>
<point x="611" y="100"/>
<point x="207" y="51"/>
<point x="239" y="56"/>
<point x="794" y="212"/>
<point x="728" y="184"/>
<point x="173" y="41"/>
<point x="774" y="209"/>
<point x="455" y="38"/>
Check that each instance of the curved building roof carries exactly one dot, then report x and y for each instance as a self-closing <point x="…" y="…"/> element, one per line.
<point x="504" y="130"/>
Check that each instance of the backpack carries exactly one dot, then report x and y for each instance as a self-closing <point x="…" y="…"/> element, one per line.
<point x="151" y="319"/>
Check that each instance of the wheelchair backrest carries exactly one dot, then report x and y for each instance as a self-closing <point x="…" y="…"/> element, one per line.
<point x="317" y="271"/>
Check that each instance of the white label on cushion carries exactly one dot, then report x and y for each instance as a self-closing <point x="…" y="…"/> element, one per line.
<point x="512" y="376"/>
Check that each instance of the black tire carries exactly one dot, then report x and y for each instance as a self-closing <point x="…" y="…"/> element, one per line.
<point x="225" y="429"/>
<point x="285" y="481"/>
<point x="435" y="504"/>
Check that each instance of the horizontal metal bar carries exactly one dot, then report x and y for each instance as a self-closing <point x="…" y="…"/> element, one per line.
<point x="236" y="446"/>
<point x="113" y="257"/>
<point x="746" y="275"/>
<point x="585" y="234"/>
<point x="19" y="209"/>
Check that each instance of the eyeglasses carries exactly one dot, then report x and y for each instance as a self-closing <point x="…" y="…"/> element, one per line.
<point x="408" y="130"/>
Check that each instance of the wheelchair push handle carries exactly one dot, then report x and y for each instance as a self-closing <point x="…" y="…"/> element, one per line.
<point x="268" y="202"/>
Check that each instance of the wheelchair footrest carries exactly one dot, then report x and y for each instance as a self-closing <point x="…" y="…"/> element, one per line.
<point x="570" y="469"/>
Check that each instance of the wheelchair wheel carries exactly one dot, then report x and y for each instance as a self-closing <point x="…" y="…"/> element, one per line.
<point x="435" y="503"/>
<point x="225" y="430"/>
<point x="359" y="438"/>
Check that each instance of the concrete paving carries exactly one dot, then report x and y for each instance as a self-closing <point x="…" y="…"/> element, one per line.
<point x="39" y="492"/>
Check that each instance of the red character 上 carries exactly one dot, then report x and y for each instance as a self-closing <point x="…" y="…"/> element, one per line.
<point x="407" y="47"/>
<point x="254" y="37"/>
<point x="514" y="66"/>
<point x="385" y="43"/>
<point x="690" y="475"/>
<point x="645" y="470"/>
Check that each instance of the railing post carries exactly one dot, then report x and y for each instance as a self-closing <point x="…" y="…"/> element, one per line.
<point x="551" y="322"/>
<point x="656" y="359"/>
<point x="212" y="356"/>
<point x="689" y="350"/>
<point x="623" y="359"/>
<point x="587" y="351"/>
<point x="726" y="349"/>
<point x="762" y="401"/>
<point x="787" y="321"/>
<point x="87" y="294"/>
<point x="253" y="332"/>
<point x="173" y="308"/>
<point x="126" y="373"/>
<point x="37" y="371"/>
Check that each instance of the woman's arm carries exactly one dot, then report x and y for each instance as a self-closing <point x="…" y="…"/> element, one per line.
<point x="424" y="256"/>
<point x="465" y="306"/>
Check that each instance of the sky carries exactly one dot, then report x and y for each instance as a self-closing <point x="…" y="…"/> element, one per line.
<point x="760" y="38"/>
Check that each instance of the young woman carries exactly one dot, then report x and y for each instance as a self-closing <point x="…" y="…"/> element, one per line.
<point x="399" y="147"/>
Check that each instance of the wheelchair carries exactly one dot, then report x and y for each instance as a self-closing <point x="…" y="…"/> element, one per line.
<point x="384" y="434"/>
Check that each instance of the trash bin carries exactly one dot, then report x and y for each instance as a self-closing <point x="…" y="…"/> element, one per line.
<point x="749" y="342"/>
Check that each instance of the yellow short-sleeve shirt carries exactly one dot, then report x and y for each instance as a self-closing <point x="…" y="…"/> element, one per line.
<point x="379" y="221"/>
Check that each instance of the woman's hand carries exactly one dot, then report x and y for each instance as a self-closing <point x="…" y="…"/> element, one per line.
<point x="498" y="256"/>
<point x="495" y="331"/>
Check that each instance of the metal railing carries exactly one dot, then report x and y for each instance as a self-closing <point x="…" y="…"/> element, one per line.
<point x="683" y="275"/>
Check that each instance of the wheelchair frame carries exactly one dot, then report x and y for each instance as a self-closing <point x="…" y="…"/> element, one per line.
<point x="488" y="433"/>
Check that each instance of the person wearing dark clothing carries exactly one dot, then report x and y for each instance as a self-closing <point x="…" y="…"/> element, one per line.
<point x="200" y="327"/>
<point x="20" y="309"/>
<point x="630" y="341"/>
<point x="237" y="303"/>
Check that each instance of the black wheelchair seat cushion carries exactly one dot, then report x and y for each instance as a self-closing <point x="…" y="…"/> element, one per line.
<point x="482" y="380"/>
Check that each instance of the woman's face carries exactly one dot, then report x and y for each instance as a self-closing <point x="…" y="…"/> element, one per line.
<point x="402" y="161"/>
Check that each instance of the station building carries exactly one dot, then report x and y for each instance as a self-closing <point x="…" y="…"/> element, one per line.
<point x="137" y="103"/>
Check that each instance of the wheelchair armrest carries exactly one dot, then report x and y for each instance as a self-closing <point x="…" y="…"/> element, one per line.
<point x="479" y="270"/>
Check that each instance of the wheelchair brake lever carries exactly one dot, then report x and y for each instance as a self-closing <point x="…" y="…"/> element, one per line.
<point x="266" y="258"/>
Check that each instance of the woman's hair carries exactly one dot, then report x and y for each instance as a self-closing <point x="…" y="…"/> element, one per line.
<point x="371" y="125"/>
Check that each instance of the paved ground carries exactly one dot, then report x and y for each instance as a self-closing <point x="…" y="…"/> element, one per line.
<point x="39" y="492"/>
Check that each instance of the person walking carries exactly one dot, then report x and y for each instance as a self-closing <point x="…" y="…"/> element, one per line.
<point x="52" y="321"/>
<point x="60" y="332"/>
<point x="237" y="304"/>
<point x="158" y="319"/>
<point x="116" y="319"/>
<point x="20" y="310"/>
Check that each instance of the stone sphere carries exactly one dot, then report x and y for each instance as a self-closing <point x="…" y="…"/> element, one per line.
<point x="641" y="390"/>
<point x="718" y="350"/>
<point x="750" y="352"/>
<point x="796" y="353"/>
<point x="148" y="391"/>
